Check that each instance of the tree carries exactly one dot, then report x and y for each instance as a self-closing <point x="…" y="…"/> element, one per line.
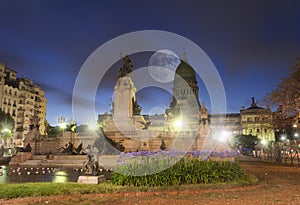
<point x="287" y="93"/>
<point x="247" y="141"/>
<point x="7" y="125"/>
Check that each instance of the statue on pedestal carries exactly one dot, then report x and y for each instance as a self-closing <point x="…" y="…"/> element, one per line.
<point x="91" y="166"/>
<point x="126" y="68"/>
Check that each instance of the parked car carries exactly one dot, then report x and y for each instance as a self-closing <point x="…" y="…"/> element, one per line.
<point x="247" y="151"/>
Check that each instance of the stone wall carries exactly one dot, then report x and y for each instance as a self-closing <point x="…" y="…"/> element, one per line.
<point x="42" y="144"/>
<point x="20" y="157"/>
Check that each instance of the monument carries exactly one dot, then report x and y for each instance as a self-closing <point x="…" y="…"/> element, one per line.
<point x="184" y="126"/>
<point x="124" y="127"/>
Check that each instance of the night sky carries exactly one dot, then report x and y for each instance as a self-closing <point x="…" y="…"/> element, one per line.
<point x="251" y="43"/>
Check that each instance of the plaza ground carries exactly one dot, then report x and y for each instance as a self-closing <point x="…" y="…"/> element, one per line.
<point x="278" y="184"/>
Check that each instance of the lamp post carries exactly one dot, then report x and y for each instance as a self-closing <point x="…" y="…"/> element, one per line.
<point x="62" y="123"/>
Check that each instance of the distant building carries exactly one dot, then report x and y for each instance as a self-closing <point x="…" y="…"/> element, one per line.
<point x="258" y="121"/>
<point x="23" y="100"/>
<point x="254" y="120"/>
<point x="228" y="125"/>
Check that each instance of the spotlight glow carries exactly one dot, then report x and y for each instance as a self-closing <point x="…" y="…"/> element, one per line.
<point x="178" y="123"/>
<point x="264" y="142"/>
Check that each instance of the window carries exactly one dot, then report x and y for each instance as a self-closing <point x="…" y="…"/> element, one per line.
<point x="257" y="130"/>
<point x="250" y="130"/>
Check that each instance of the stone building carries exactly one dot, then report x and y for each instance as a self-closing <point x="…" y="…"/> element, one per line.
<point x="184" y="126"/>
<point x="257" y="121"/>
<point x="228" y="125"/>
<point x="22" y="99"/>
<point x="185" y="113"/>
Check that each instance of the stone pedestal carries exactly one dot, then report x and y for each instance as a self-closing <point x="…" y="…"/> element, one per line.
<point x="20" y="157"/>
<point x="91" y="179"/>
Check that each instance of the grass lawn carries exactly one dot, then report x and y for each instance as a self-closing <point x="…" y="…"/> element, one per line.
<point x="9" y="191"/>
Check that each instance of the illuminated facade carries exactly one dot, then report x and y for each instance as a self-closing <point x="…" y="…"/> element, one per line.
<point x="184" y="125"/>
<point x="23" y="100"/>
<point x="228" y="124"/>
<point x="258" y="121"/>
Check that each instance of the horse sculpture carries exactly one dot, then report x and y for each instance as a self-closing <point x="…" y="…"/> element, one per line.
<point x="69" y="149"/>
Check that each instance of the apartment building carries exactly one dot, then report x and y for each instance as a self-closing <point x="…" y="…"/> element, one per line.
<point x="24" y="101"/>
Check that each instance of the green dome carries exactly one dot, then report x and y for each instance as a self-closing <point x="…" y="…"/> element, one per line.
<point x="185" y="71"/>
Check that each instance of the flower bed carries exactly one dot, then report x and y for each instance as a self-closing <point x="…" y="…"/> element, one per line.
<point x="175" y="168"/>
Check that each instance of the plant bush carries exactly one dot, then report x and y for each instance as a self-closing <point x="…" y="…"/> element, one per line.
<point x="185" y="171"/>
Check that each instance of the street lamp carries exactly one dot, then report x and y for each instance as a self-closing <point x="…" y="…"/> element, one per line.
<point x="283" y="137"/>
<point x="62" y="123"/>
<point x="63" y="126"/>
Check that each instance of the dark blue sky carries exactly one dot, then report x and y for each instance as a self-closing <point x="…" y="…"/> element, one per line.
<point x="251" y="43"/>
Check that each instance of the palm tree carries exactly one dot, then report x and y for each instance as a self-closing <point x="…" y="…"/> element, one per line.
<point x="7" y="125"/>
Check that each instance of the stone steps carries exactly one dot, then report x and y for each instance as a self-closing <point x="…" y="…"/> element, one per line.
<point x="38" y="157"/>
<point x="56" y="160"/>
<point x="75" y="161"/>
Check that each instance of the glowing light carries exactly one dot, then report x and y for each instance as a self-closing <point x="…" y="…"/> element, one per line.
<point x="295" y="125"/>
<point x="283" y="138"/>
<point x="264" y="142"/>
<point x="63" y="125"/>
<point x="62" y="122"/>
<point x="296" y="135"/>
<point x="178" y="123"/>
<point x="224" y="136"/>
<point x="6" y="130"/>
<point x="93" y="126"/>
<point x="60" y="177"/>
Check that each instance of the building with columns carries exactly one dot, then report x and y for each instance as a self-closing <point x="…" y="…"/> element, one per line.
<point x="23" y="100"/>
<point x="258" y="121"/>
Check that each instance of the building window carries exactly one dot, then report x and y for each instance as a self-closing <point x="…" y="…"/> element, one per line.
<point x="250" y="130"/>
<point x="266" y="130"/>
<point x="257" y="130"/>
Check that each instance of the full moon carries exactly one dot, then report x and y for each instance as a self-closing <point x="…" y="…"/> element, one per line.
<point x="162" y="65"/>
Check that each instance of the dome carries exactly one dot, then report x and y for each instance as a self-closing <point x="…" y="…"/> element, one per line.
<point x="185" y="85"/>
<point x="185" y="71"/>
